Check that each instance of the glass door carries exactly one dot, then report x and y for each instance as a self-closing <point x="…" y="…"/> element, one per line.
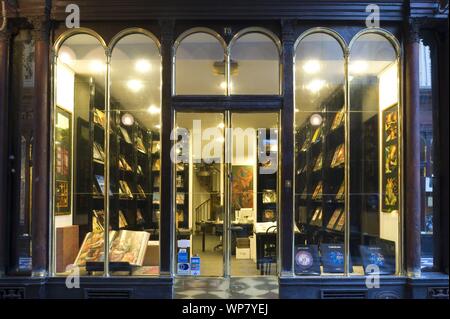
<point x="199" y="155"/>
<point x="253" y="205"/>
<point x="226" y="197"/>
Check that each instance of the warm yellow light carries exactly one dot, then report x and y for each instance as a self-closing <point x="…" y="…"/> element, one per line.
<point x="153" y="109"/>
<point x="315" y="85"/>
<point x="158" y="127"/>
<point x="220" y="140"/>
<point x="221" y="125"/>
<point x="311" y="67"/>
<point x="134" y="85"/>
<point x="65" y="58"/>
<point x="143" y="66"/>
<point x="97" y="66"/>
<point x="358" y="67"/>
<point x="223" y="85"/>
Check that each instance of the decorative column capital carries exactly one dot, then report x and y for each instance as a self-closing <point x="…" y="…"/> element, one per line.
<point x="167" y="28"/>
<point x="41" y="28"/>
<point x="413" y="32"/>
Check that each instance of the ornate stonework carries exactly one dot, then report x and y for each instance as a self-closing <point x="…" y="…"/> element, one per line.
<point x="41" y="28"/>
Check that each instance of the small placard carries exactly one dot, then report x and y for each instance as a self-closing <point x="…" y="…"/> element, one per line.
<point x="307" y="260"/>
<point x="183" y="269"/>
<point x="379" y="257"/>
<point x="195" y="266"/>
<point x="333" y="258"/>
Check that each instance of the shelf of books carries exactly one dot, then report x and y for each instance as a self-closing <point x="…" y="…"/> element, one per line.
<point x="182" y="194"/>
<point x="320" y="173"/>
<point x="134" y="174"/>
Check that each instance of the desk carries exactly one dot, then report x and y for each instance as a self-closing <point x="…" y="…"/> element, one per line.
<point x="237" y="230"/>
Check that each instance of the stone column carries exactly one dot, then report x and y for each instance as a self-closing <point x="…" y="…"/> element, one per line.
<point x="41" y="156"/>
<point x="412" y="151"/>
<point x="286" y="208"/>
<point x="4" y="71"/>
<point x="167" y="117"/>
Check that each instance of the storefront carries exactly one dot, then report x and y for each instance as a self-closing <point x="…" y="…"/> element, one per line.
<point x="297" y="141"/>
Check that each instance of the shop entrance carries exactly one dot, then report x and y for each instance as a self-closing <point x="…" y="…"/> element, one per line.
<point x="226" y="197"/>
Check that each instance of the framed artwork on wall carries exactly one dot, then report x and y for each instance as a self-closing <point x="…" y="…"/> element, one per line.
<point x="242" y="186"/>
<point x="390" y="160"/>
<point x="63" y="158"/>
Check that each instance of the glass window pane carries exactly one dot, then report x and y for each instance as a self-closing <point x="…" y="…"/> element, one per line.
<point x="134" y="156"/>
<point x="427" y="155"/>
<point x="319" y="156"/>
<point x="200" y="66"/>
<point x="78" y="203"/>
<point x="374" y="155"/>
<point x="255" y="65"/>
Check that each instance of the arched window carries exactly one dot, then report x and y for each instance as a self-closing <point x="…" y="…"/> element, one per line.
<point x="134" y="152"/>
<point x="255" y="63"/>
<point x="375" y="144"/>
<point x="200" y="63"/>
<point x="320" y="176"/>
<point x="79" y="88"/>
<point x="106" y="173"/>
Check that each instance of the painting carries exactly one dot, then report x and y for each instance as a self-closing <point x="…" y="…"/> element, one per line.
<point x="63" y="156"/>
<point x="390" y="158"/>
<point x="242" y="186"/>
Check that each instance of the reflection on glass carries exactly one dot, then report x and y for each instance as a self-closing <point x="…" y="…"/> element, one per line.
<point x="200" y="66"/>
<point x="374" y="155"/>
<point x="427" y="169"/>
<point x="78" y="194"/>
<point x="319" y="156"/>
<point x="134" y="156"/>
<point x="254" y="65"/>
<point x="199" y="219"/>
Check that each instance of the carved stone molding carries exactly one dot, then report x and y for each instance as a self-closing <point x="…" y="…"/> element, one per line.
<point x="5" y="35"/>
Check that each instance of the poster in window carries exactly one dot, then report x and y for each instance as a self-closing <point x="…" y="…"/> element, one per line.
<point x="63" y="156"/>
<point x="242" y="192"/>
<point x="390" y="160"/>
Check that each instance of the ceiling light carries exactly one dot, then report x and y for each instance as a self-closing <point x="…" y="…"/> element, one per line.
<point x="220" y="140"/>
<point x="65" y="58"/>
<point x="315" y="85"/>
<point x="158" y="127"/>
<point x="134" y="85"/>
<point x="153" y="109"/>
<point x="223" y="85"/>
<point x="127" y="119"/>
<point x="312" y="66"/>
<point x="358" y="67"/>
<point x="315" y="119"/>
<point x="142" y="66"/>
<point x="97" y="66"/>
<point x="296" y="110"/>
<point x="221" y="125"/>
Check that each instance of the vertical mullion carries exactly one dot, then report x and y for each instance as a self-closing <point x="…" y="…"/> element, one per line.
<point x="107" y="168"/>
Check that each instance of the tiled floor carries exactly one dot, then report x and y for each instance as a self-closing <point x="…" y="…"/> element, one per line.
<point x="233" y="288"/>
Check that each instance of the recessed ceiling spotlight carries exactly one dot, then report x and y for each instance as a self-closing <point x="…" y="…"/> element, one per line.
<point x="97" y="66"/>
<point x="358" y="67"/>
<point x="221" y="125"/>
<point x="316" y="85"/>
<point x="153" y="109"/>
<point x="135" y="85"/>
<point x="311" y="66"/>
<point x="143" y="66"/>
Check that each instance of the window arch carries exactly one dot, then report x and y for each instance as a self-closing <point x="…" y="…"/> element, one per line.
<point x="107" y="107"/>
<point x="320" y="177"/>
<point x="80" y="69"/>
<point x="375" y="176"/>
<point x="255" y="62"/>
<point x="200" y="63"/>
